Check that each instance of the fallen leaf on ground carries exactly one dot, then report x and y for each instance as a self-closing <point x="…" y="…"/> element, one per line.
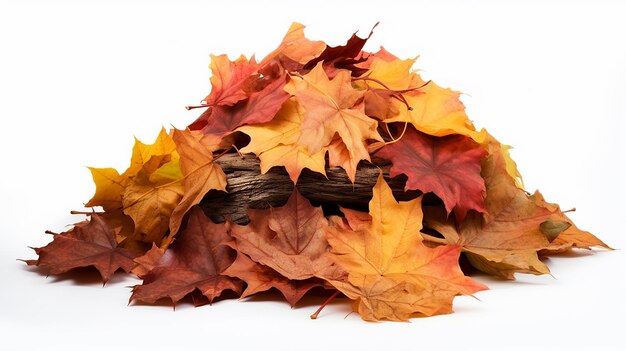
<point x="195" y="261"/>
<point x="391" y="273"/>
<point x="89" y="243"/>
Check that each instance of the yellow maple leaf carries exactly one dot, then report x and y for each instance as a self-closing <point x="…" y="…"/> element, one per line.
<point x="164" y="180"/>
<point x="276" y="143"/>
<point x="391" y="273"/>
<point x="434" y="110"/>
<point x="151" y="196"/>
<point x="110" y="186"/>
<point x="142" y="153"/>
<point x="395" y="74"/>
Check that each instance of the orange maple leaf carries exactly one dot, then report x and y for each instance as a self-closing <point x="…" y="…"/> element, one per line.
<point x="391" y="273"/>
<point x="333" y="107"/>
<point x="295" y="46"/>
<point x="229" y="79"/>
<point x="276" y="143"/>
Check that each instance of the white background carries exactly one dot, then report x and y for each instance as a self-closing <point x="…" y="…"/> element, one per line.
<point x="77" y="81"/>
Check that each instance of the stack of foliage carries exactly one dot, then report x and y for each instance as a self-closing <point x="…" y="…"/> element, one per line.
<point x="311" y="106"/>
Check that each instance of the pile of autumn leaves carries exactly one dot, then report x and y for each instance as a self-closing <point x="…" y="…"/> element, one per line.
<point x="309" y="105"/>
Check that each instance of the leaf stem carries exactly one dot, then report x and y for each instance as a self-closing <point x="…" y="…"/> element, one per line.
<point x="332" y="297"/>
<point x="434" y="239"/>
<point x="395" y="140"/>
<point x="375" y="81"/>
<point x="88" y="213"/>
<point x="197" y="106"/>
<point x="237" y="149"/>
<point x="225" y="152"/>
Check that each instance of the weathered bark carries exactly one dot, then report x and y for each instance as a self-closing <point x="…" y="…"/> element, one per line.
<point x="247" y="187"/>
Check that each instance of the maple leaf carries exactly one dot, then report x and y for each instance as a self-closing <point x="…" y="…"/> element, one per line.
<point x="200" y="174"/>
<point x="122" y="225"/>
<point x="289" y="239"/>
<point x="339" y="156"/>
<point x="89" y="243"/>
<point x="148" y="261"/>
<point x="276" y="143"/>
<point x="494" y="146"/>
<point x="261" y="278"/>
<point x="260" y="107"/>
<point x="163" y="146"/>
<point x="151" y="197"/>
<point x="396" y="74"/>
<point x="391" y="273"/>
<point x="332" y="107"/>
<point x="507" y="239"/>
<point x="434" y="110"/>
<point x="381" y="54"/>
<point x="447" y="166"/>
<point x="195" y="261"/>
<point x="380" y="298"/>
<point x="343" y="57"/>
<point x="572" y="238"/>
<point x="137" y="202"/>
<point x="229" y="79"/>
<point x="296" y="47"/>
<point x="386" y="80"/>
<point x="110" y="187"/>
<point x="437" y="111"/>
<point x="564" y="233"/>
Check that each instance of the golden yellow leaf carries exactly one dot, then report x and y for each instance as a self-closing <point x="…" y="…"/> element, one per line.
<point x="276" y="143"/>
<point x="142" y="153"/>
<point x="110" y="186"/>
<point x="396" y="74"/>
<point x="391" y="273"/>
<point x="200" y="174"/>
<point x="149" y="200"/>
<point x="435" y="110"/>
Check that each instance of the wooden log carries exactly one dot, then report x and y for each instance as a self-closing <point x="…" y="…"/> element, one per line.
<point x="247" y="187"/>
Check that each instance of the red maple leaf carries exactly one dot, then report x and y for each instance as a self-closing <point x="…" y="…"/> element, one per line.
<point x="260" y="107"/>
<point x="447" y="166"/>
